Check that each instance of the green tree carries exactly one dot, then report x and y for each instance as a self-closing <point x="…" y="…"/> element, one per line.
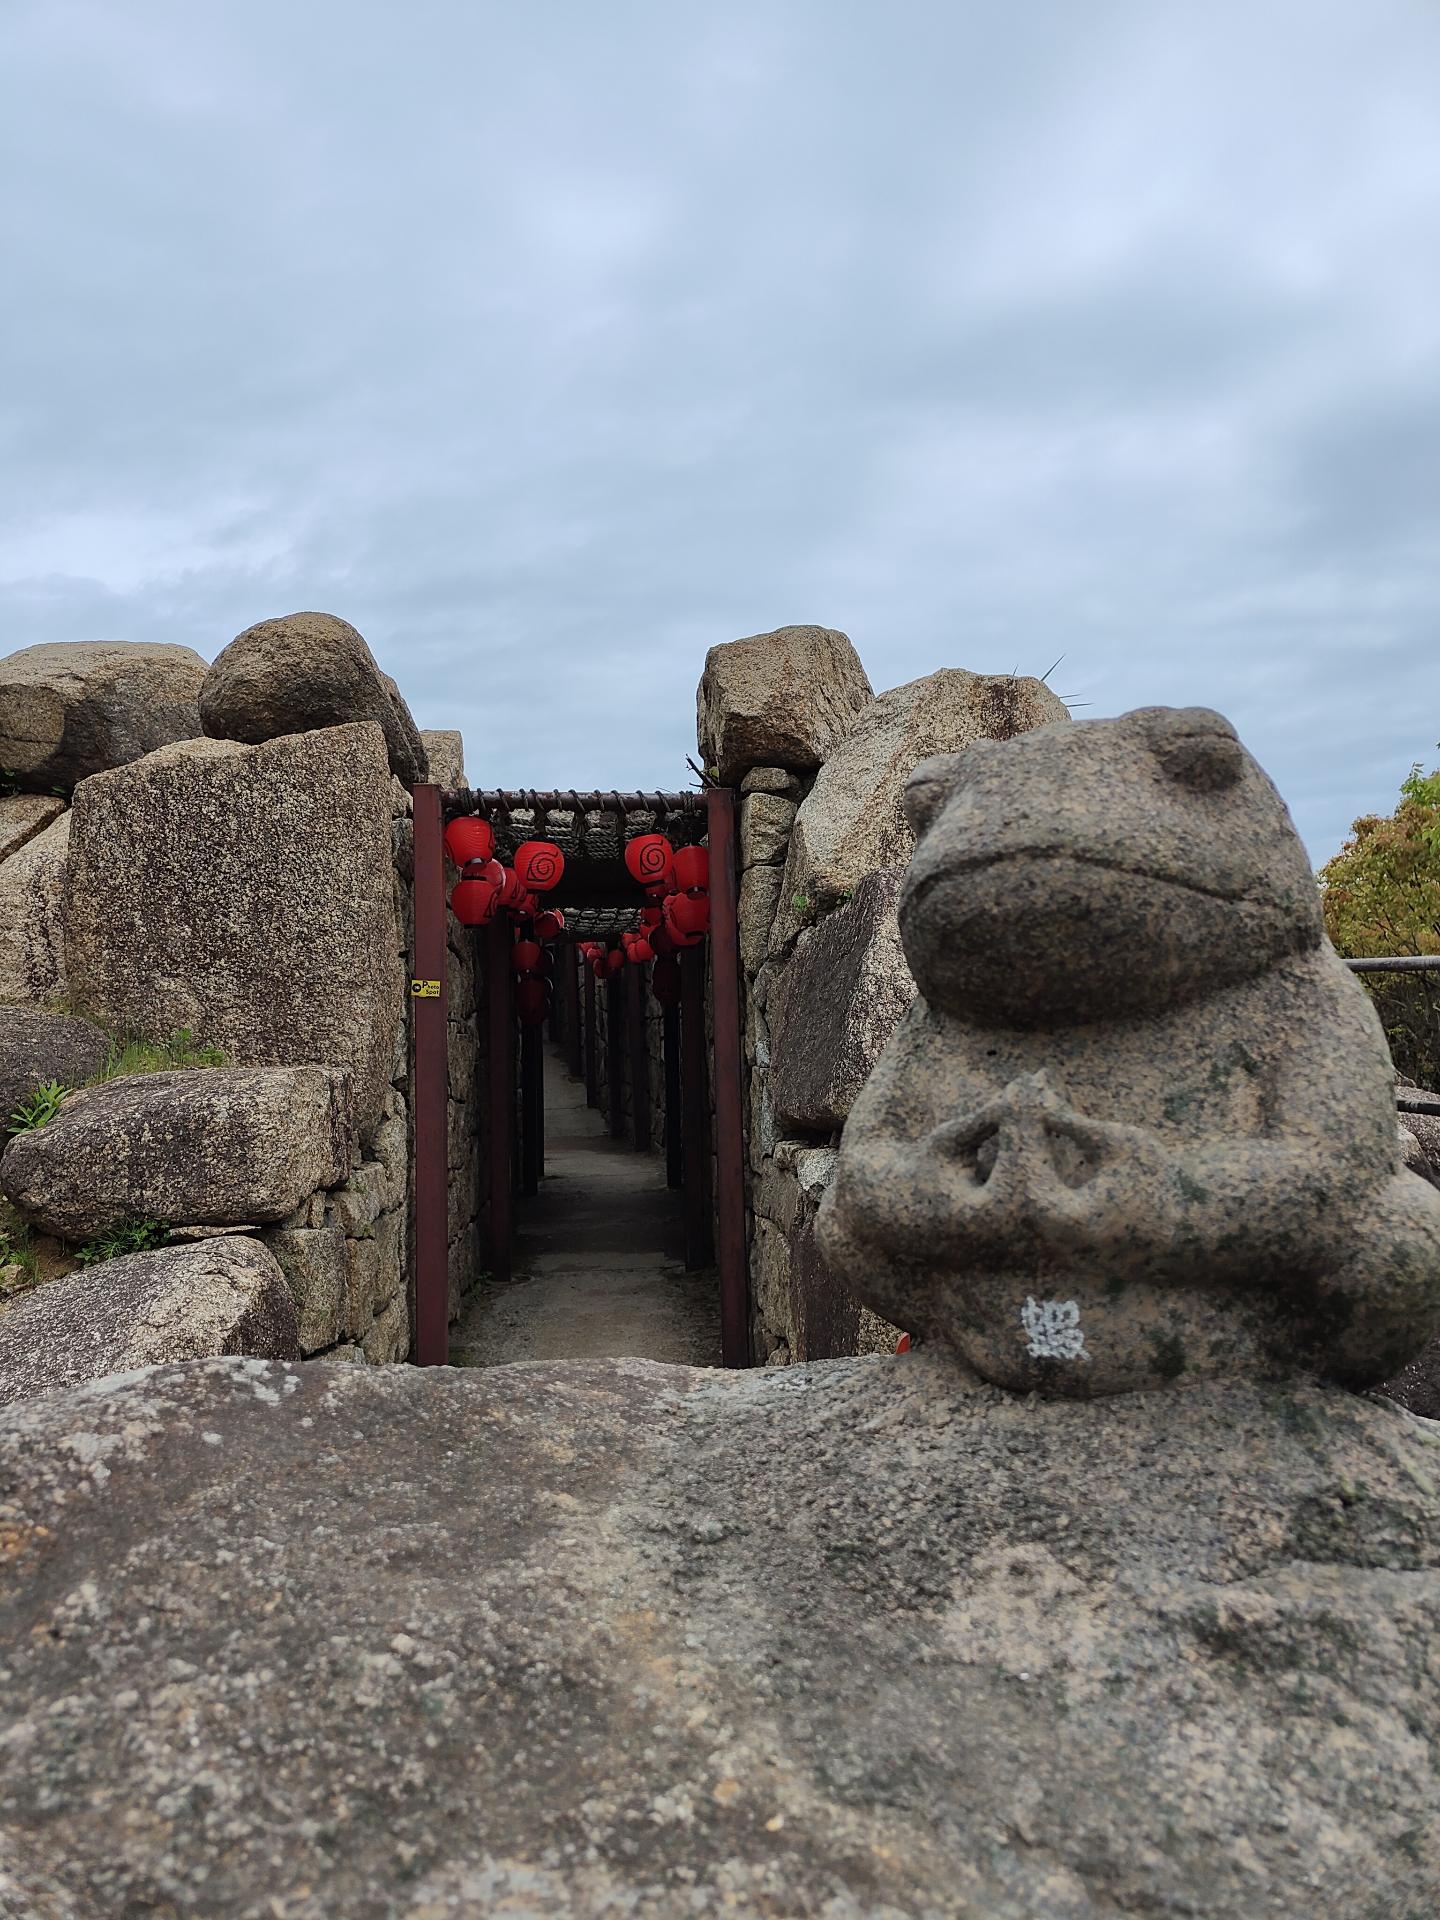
<point x="1381" y="895"/>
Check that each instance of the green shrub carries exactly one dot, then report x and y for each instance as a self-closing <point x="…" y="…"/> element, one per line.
<point x="43" y="1105"/>
<point x="133" y="1236"/>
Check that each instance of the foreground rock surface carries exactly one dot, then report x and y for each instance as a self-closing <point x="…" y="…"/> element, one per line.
<point x="245" y="893"/>
<point x="224" y="1295"/>
<point x="71" y="708"/>
<point x="300" y="672"/>
<point x="212" y="1146"/>
<point x="781" y="699"/>
<point x="614" y="1638"/>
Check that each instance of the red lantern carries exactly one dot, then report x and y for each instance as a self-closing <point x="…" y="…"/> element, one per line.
<point x="474" y="902"/>
<point x="526" y="956"/>
<point x="532" y="1002"/>
<point x="665" y="981"/>
<point x="659" y="894"/>
<point x="599" y="968"/>
<point x="640" y="952"/>
<point x="692" y="868"/>
<point x="662" y="941"/>
<point x="546" y="968"/>
<point x="648" y="858"/>
<point x="513" y="890"/>
<point x="687" y="913"/>
<point x="549" y="925"/>
<point x="650" y="918"/>
<point x="469" y="838"/>
<point x="614" y="961"/>
<point x="539" y="863"/>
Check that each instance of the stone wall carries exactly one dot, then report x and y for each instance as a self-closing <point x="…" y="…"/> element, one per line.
<point x="821" y="766"/>
<point x="253" y="895"/>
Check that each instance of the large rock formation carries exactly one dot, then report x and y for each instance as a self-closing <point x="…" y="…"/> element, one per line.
<point x="445" y="754"/>
<point x="1141" y="1124"/>
<point x="71" y="708"/>
<point x="244" y="893"/>
<point x="32" y="903"/>
<point x="212" y="1146"/>
<point x="303" y="671"/>
<point x="609" y="1637"/>
<point x="37" y="1047"/>
<point x="783" y="699"/>
<point x="224" y="1295"/>
<point x="835" y="1007"/>
<point x="852" y="822"/>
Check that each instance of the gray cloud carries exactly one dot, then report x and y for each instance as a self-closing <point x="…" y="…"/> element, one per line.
<point x="551" y="345"/>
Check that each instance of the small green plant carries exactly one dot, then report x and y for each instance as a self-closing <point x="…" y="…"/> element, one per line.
<point x="19" y="1267"/>
<point x="179" y="1049"/>
<point x="800" y="903"/>
<point x="132" y="1236"/>
<point x="43" y="1105"/>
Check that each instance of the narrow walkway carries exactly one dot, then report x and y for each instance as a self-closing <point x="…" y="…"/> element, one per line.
<point x="599" y="1257"/>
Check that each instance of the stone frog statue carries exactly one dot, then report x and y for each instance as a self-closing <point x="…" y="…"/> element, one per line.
<point x="1139" y="1123"/>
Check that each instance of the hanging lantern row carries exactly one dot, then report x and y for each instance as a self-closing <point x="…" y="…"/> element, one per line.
<point x="487" y="888"/>
<point x="677" y="886"/>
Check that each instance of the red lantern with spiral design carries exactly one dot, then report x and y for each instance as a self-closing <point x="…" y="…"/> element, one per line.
<point x="476" y="897"/>
<point x="687" y="914"/>
<point x="469" y="838"/>
<point x="540" y="865"/>
<point x="692" y="868"/>
<point x="549" y="925"/>
<point x="649" y="858"/>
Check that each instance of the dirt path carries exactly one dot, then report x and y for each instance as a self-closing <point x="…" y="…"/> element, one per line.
<point x="599" y="1257"/>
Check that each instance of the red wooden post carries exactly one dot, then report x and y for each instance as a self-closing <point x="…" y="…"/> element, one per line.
<point x="639" y="1035"/>
<point x="674" y="1150"/>
<point x="429" y="1010"/>
<point x="695" y="1110"/>
<point x="500" y="1066"/>
<point x="592" y="1044"/>
<point x="569" y="963"/>
<point x="729" y="1081"/>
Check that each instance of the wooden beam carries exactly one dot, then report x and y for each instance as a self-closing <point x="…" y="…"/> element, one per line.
<point x="729" y="1082"/>
<point x="429" y="1012"/>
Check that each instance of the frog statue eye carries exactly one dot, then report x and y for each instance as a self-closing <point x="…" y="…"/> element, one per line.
<point x="1205" y="762"/>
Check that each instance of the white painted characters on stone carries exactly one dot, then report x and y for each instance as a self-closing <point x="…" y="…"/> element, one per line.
<point x="1054" y="1329"/>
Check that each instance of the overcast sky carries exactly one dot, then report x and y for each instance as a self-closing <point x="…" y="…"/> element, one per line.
<point x="551" y="342"/>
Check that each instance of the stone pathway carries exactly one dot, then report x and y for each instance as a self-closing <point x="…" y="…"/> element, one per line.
<point x="599" y="1257"/>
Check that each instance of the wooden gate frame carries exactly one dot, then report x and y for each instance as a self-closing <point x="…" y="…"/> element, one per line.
<point x="429" y="1000"/>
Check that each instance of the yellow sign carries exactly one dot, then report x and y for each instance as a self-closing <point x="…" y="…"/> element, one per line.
<point x="424" y="989"/>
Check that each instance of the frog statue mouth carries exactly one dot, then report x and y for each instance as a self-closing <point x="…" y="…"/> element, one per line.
<point x="1044" y="935"/>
